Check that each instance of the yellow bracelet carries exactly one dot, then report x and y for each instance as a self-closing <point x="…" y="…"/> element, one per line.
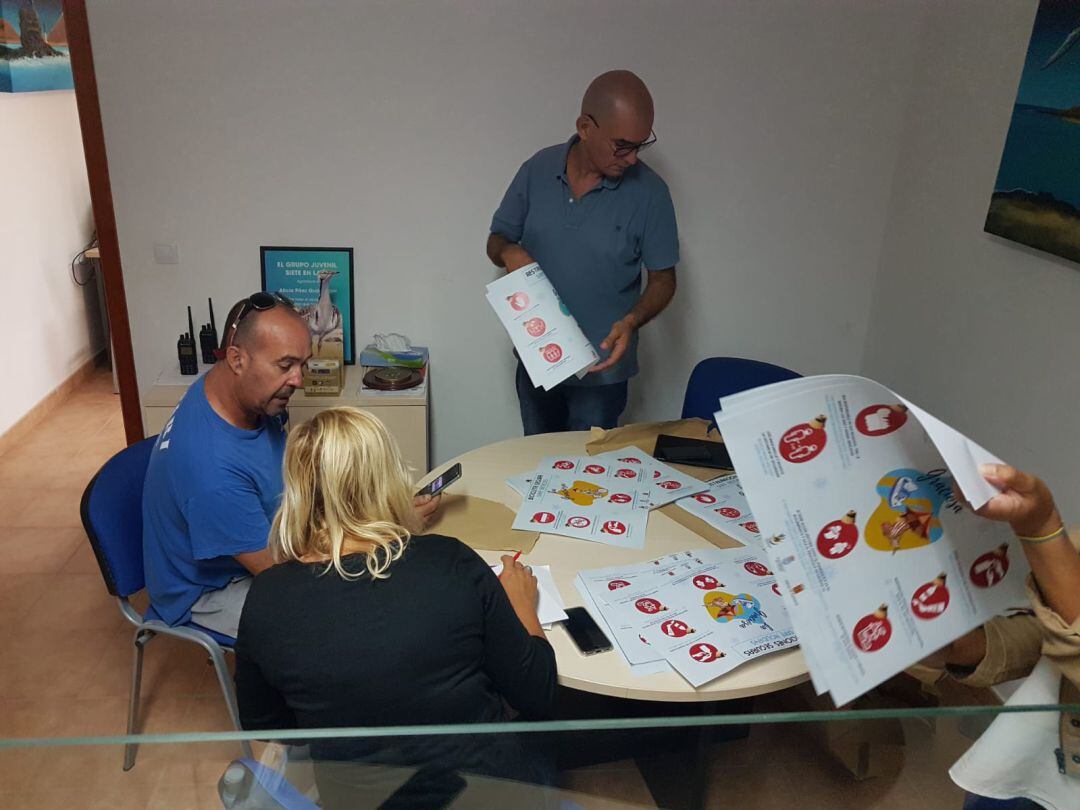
<point x="1060" y="531"/>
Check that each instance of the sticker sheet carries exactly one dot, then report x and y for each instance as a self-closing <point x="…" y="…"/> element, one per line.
<point x="547" y="337"/>
<point x="880" y="563"/>
<point x="668" y="484"/>
<point x="723" y="506"/>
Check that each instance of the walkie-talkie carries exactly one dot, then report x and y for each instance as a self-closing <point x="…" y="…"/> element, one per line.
<point x="185" y="349"/>
<point x="208" y="337"/>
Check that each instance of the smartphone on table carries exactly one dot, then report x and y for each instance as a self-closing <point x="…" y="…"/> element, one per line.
<point x="585" y="632"/>
<point x="441" y="481"/>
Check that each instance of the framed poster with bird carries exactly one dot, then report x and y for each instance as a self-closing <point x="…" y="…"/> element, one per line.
<point x="319" y="282"/>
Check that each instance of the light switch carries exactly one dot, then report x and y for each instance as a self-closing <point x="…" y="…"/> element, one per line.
<point x="166" y="253"/>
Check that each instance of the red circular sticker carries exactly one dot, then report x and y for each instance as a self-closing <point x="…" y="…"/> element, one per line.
<point x="931" y="599"/>
<point x="579" y="522"/>
<point x="705" y="653"/>
<point x="535" y="326"/>
<point x="620" y="497"/>
<point x="543" y="517"/>
<point x="750" y="526"/>
<point x="552" y="352"/>
<point x="990" y="568"/>
<point x="563" y="465"/>
<point x="595" y="469"/>
<point x="837" y="539"/>
<point x="675" y="628"/>
<point x="729" y="512"/>
<point x="757" y="569"/>
<point x="705" y="498"/>
<point x="706" y="582"/>
<point x="669" y="485"/>
<point x="518" y="301"/>
<point x="647" y="605"/>
<point x="626" y="473"/>
<point x="630" y="460"/>
<point x="872" y="632"/>
<point x="803" y="442"/>
<point x="881" y="420"/>
<point x="615" y="584"/>
<point x="614" y="527"/>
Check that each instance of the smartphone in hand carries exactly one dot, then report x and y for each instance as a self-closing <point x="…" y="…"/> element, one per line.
<point x="442" y="481"/>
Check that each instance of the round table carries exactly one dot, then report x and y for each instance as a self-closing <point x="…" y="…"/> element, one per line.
<point x="485" y="471"/>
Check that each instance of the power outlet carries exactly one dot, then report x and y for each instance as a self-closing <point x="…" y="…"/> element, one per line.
<point x="166" y="253"/>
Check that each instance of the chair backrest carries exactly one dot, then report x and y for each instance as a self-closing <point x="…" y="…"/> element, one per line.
<point x="717" y="377"/>
<point x="111" y="512"/>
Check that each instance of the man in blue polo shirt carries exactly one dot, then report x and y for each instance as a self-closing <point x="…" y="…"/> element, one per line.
<point x="592" y="214"/>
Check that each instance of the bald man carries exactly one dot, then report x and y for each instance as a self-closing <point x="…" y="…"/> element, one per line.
<point x="592" y="215"/>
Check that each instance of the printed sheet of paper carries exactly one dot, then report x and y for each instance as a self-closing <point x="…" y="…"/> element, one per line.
<point x="668" y="484"/>
<point x="547" y="338"/>
<point x="704" y="611"/>
<point x="593" y="503"/>
<point x="724" y="506"/>
<point x="879" y="564"/>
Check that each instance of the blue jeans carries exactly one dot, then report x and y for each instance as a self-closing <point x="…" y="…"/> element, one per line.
<point x="568" y="407"/>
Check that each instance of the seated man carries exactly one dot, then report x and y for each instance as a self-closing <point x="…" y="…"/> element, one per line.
<point x="214" y="478"/>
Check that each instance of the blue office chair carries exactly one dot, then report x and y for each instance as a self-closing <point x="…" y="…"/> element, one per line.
<point x="111" y="511"/>
<point x="717" y="377"/>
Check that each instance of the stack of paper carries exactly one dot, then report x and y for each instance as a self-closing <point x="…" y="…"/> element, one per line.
<point x="604" y="498"/>
<point x="550" y="608"/>
<point x="703" y="612"/>
<point x="880" y="563"/>
<point x="724" y="506"/>
<point x="547" y="338"/>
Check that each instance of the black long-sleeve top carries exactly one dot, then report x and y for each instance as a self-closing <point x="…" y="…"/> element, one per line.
<point x="435" y="642"/>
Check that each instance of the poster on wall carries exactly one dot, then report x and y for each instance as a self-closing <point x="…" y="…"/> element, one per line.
<point x="1036" y="199"/>
<point x="33" y="47"/>
<point x="319" y="281"/>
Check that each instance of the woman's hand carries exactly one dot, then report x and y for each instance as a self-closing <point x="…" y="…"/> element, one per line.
<point x="521" y="589"/>
<point x="426" y="507"/>
<point x="1025" y="502"/>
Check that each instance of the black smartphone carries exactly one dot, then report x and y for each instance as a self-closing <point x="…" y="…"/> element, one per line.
<point x="442" y="481"/>
<point x="695" y="452"/>
<point x="585" y="632"/>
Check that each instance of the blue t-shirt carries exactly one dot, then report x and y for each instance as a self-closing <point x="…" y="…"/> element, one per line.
<point x="592" y="249"/>
<point x="211" y="491"/>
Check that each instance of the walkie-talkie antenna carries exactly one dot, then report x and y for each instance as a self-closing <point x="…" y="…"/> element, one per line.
<point x="213" y="325"/>
<point x="190" y="325"/>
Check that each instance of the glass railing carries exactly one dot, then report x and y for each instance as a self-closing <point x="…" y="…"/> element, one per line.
<point x="885" y="757"/>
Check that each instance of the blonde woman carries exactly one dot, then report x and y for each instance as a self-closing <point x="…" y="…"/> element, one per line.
<point x="364" y="622"/>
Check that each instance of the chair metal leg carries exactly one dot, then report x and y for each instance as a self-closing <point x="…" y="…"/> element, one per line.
<point x="229" y="693"/>
<point x="131" y="749"/>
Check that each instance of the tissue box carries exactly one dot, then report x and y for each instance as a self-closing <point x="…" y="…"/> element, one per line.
<point x="416" y="357"/>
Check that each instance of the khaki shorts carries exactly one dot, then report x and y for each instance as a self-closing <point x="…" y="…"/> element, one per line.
<point x="220" y="610"/>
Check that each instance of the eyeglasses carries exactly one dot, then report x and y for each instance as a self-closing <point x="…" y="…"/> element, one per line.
<point x="624" y="148"/>
<point x="256" y="302"/>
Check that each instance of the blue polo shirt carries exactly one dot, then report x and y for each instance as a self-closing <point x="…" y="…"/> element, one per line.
<point x="592" y="249"/>
<point x="210" y="493"/>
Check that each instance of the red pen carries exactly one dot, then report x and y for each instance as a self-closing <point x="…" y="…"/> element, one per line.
<point x="516" y="557"/>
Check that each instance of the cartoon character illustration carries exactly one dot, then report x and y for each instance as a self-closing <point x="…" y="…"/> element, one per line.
<point x="705" y="653"/>
<point x="837" y="539"/>
<point x="907" y="516"/>
<point x="881" y="420"/>
<point x="930" y="600"/>
<point x="873" y="632"/>
<point x="583" y="493"/>
<point x="804" y="442"/>
<point x="726" y="607"/>
<point x="990" y="568"/>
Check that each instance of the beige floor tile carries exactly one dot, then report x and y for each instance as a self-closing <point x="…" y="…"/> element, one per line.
<point x="129" y="796"/>
<point x="171" y="668"/>
<point x="18" y="595"/>
<point x="51" y="508"/>
<point x="196" y="797"/>
<point x="56" y="663"/>
<point x="37" y="550"/>
<point x="77" y="602"/>
<point x="13" y="502"/>
<point x="82" y="561"/>
<point x="619" y="781"/>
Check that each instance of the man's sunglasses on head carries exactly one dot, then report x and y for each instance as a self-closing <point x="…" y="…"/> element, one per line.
<point x="256" y="302"/>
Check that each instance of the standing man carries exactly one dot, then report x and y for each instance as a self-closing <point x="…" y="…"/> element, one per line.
<point x="592" y="214"/>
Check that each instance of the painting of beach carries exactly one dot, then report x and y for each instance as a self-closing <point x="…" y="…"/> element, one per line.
<point x="1036" y="199"/>
<point x="33" y="47"/>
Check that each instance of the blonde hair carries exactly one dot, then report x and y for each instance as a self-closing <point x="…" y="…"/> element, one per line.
<point x="345" y="484"/>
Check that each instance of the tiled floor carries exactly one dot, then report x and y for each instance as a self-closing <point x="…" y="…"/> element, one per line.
<point x="65" y="658"/>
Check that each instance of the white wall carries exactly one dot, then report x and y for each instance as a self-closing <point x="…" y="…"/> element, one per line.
<point x="50" y="327"/>
<point x="981" y="331"/>
<point x="396" y="126"/>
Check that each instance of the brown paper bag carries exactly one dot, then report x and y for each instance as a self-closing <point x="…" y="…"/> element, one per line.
<point x="642" y="435"/>
<point x="481" y="524"/>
